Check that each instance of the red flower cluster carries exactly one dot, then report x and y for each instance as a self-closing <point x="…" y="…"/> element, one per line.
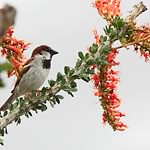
<point x="108" y="9"/>
<point x="13" y="49"/>
<point x="105" y="83"/>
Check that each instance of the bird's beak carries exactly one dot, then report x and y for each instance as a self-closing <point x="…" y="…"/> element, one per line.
<point x="53" y="52"/>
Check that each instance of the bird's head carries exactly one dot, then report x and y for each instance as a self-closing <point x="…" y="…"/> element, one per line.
<point x="45" y="51"/>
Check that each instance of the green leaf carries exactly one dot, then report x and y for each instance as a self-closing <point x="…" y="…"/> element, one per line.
<point x="69" y="92"/>
<point x="6" y="131"/>
<point x="43" y="91"/>
<point x="94" y="48"/>
<point x="53" y="100"/>
<point x="81" y="55"/>
<point x="90" y="62"/>
<point x="5" y="67"/>
<point x="113" y="35"/>
<point x="66" y="69"/>
<point x="14" y="105"/>
<point x="57" y="100"/>
<point x="118" y="22"/>
<point x="73" y="89"/>
<point x="104" y="39"/>
<point x="85" y="78"/>
<point x="107" y="31"/>
<point x="5" y="113"/>
<point x="1" y="115"/>
<point x="21" y="102"/>
<point x="52" y="105"/>
<point x="30" y="113"/>
<point x="35" y="110"/>
<point x="90" y="71"/>
<point x="73" y="84"/>
<point x="1" y="83"/>
<point x="59" y="76"/>
<point x="2" y="132"/>
<point x="104" y="62"/>
<point x="18" y="120"/>
<point x="106" y="47"/>
<point x="51" y="83"/>
<point x="72" y="71"/>
<point x="42" y="107"/>
<point x="87" y="55"/>
<point x="63" y="82"/>
<point x="78" y="63"/>
<point x="74" y="77"/>
<point x="59" y="96"/>
<point x="98" y="60"/>
<point x="26" y="114"/>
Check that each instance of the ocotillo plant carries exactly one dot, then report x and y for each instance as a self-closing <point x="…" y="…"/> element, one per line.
<point x="95" y="64"/>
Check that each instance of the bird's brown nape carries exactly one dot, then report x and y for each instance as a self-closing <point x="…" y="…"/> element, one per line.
<point x="39" y="49"/>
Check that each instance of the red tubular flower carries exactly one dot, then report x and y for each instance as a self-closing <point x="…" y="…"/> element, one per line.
<point x="4" y="52"/>
<point x="111" y="58"/>
<point x="98" y="93"/>
<point x="146" y="55"/>
<point x="13" y="49"/>
<point x="97" y="37"/>
<point x="15" y="63"/>
<point x="95" y="79"/>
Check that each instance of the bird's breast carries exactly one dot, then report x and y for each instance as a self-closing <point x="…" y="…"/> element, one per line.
<point x="40" y="74"/>
<point x="33" y="79"/>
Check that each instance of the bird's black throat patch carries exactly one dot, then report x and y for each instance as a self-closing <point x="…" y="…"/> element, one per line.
<point x="46" y="63"/>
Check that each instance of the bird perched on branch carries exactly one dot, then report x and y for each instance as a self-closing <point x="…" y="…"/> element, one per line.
<point x="33" y="74"/>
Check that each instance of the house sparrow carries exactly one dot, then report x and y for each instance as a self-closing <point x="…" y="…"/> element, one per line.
<point x="33" y="74"/>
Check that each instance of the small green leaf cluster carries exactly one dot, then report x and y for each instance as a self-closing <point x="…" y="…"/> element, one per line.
<point x="84" y="62"/>
<point x="118" y="30"/>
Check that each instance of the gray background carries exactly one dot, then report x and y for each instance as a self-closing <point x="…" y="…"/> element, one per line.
<point x="76" y="124"/>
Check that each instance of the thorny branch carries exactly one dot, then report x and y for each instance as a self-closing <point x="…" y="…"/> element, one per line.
<point x="133" y="43"/>
<point x="28" y="105"/>
<point x="137" y="10"/>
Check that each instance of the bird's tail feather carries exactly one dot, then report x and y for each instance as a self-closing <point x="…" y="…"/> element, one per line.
<point x="9" y="101"/>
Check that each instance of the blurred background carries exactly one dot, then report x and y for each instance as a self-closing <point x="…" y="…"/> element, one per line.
<point x="76" y="124"/>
